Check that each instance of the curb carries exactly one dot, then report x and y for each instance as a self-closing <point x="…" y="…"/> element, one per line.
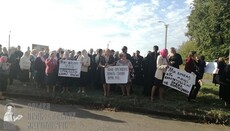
<point x="139" y="110"/>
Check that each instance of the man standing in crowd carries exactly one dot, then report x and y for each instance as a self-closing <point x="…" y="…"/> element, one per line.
<point x="149" y="70"/>
<point x="138" y="68"/>
<point x="92" y="67"/>
<point x="175" y="59"/>
<point x="46" y="53"/>
<point x="14" y="60"/>
<point x="97" y="61"/>
<point x="125" y="51"/>
<point x="1" y="50"/>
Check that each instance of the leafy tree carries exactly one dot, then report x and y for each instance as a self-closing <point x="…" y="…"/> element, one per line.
<point x="209" y="27"/>
<point x="185" y="48"/>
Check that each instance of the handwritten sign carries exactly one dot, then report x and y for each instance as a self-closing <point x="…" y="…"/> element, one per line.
<point x="116" y="74"/>
<point x="179" y="80"/>
<point x="211" y="68"/>
<point x="69" y="68"/>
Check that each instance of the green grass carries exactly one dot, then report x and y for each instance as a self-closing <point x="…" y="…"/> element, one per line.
<point x="208" y="104"/>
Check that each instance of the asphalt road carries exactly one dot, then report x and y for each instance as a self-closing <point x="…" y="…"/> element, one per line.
<point x="40" y="116"/>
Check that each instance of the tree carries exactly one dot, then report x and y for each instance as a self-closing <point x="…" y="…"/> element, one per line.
<point x="185" y="48"/>
<point x="209" y="27"/>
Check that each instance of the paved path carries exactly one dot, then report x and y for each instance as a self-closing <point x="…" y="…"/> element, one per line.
<point x="54" y="117"/>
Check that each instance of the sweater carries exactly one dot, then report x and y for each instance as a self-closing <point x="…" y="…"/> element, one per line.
<point x="24" y="63"/>
<point x="162" y="64"/>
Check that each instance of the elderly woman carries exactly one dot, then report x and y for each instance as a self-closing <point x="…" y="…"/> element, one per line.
<point x="33" y="57"/>
<point x="224" y="81"/>
<point x="123" y="61"/>
<point x="162" y="64"/>
<point x="39" y="67"/>
<point x="65" y="82"/>
<point x="50" y="71"/>
<point x="104" y="62"/>
<point x="25" y="64"/>
<point x="85" y="63"/>
<point x="4" y="71"/>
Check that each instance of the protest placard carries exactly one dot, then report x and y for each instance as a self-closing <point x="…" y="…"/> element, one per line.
<point x="117" y="74"/>
<point x="39" y="47"/>
<point x="179" y="80"/>
<point x="211" y="67"/>
<point x="69" y="68"/>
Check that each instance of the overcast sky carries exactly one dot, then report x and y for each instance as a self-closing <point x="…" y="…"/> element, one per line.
<point x="85" y="24"/>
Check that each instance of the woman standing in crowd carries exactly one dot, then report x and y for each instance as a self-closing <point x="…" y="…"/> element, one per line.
<point x="4" y="72"/>
<point x="25" y="64"/>
<point x="106" y="61"/>
<point x="33" y="57"/>
<point x="66" y="82"/>
<point x="5" y="52"/>
<point x="224" y="81"/>
<point x="13" y="65"/>
<point x="191" y="66"/>
<point x="202" y="65"/>
<point x="85" y="63"/>
<point x="39" y="67"/>
<point x="123" y="61"/>
<point x="162" y="64"/>
<point x="51" y="75"/>
<point x="175" y="59"/>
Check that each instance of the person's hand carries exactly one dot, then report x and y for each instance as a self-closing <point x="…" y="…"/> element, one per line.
<point x="193" y="73"/>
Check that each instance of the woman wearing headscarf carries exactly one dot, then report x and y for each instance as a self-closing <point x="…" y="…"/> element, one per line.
<point x="51" y="75"/>
<point x="85" y="63"/>
<point x="25" y="64"/>
<point x="162" y="64"/>
<point x="4" y="72"/>
<point x="39" y="67"/>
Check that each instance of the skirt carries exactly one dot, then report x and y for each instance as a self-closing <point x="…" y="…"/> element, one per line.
<point x="3" y="82"/>
<point x="51" y="79"/>
<point x="24" y="76"/>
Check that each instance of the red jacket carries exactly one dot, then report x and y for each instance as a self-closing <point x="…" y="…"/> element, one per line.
<point x="190" y="66"/>
<point x="50" y="65"/>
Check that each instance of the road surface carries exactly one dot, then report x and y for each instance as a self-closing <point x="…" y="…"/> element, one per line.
<point x="40" y="116"/>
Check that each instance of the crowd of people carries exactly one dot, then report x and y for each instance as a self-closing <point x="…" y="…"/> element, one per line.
<point x="41" y="68"/>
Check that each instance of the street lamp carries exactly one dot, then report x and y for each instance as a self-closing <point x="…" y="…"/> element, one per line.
<point x="166" y="32"/>
<point x="9" y="43"/>
<point x="108" y="45"/>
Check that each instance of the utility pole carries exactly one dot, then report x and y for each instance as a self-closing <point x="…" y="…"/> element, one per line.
<point x="166" y="32"/>
<point x="9" y="43"/>
<point x="108" y="45"/>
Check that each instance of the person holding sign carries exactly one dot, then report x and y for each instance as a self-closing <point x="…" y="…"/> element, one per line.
<point x="85" y="63"/>
<point x="162" y="64"/>
<point x="105" y="61"/>
<point x="191" y="66"/>
<point x="65" y="81"/>
<point x="123" y="61"/>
